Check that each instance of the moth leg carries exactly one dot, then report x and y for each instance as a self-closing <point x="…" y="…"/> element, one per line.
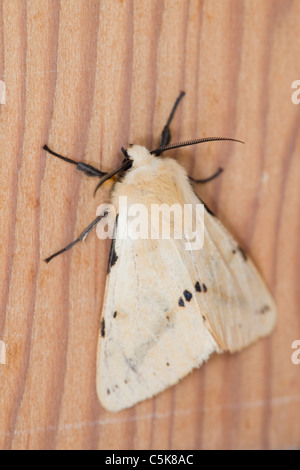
<point x="81" y="237"/>
<point x="166" y="133"/>
<point x="210" y="178"/>
<point x="89" y="170"/>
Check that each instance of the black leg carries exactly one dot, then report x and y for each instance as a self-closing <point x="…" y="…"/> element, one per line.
<point x="210" y="178"/>
<point x="81" y="237"/>
<point x="81" y="166"/>
<point x="166" y="133"/>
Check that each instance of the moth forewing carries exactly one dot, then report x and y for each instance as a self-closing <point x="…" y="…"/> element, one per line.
<point x="168" y="308"/>
<point x="154" y="331"/>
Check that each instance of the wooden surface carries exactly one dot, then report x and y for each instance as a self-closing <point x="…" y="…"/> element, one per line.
<point x="86" y="77"/>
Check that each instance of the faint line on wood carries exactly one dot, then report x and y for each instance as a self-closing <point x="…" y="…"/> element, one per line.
<point x="277" y="401"/>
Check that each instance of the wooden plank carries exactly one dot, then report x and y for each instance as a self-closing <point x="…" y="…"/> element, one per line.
<point x="87" y="77"/>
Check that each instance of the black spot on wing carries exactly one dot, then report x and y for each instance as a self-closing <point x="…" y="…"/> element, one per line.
<point x="264" y="309"/>
<point x="103" y="328"/>
<point x="181" y="302"/>
<point x="115" y="314"/>
<point x="200" y="288"/>
<point x="113" y="257"/>
<point x="112" y="389"/>
<point x="187" y="295"/>
<point x="197" y="287"/>
<point x="242" y="253"/>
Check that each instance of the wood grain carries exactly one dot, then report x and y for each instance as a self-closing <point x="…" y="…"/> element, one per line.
<point x="87" y="77"/>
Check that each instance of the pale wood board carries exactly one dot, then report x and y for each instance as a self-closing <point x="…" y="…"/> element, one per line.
<point x="87" y="77"/>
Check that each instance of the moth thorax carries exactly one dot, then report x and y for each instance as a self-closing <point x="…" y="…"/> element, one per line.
<point x="139" y="155"/>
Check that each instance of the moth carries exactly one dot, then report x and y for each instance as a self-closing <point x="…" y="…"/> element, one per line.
<point x="167" y="308"/>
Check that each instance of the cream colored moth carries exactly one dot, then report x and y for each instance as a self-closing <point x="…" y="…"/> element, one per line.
<point x="167" y="308"/>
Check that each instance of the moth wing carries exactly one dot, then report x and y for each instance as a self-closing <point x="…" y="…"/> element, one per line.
<point x="234" y="299"/>
<point x="167" y="308"/>
<point x="151" y="336"/>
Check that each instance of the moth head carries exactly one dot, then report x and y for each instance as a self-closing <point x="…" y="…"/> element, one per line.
<point x="135" y="156"/>
<point x="139" y="155"/>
